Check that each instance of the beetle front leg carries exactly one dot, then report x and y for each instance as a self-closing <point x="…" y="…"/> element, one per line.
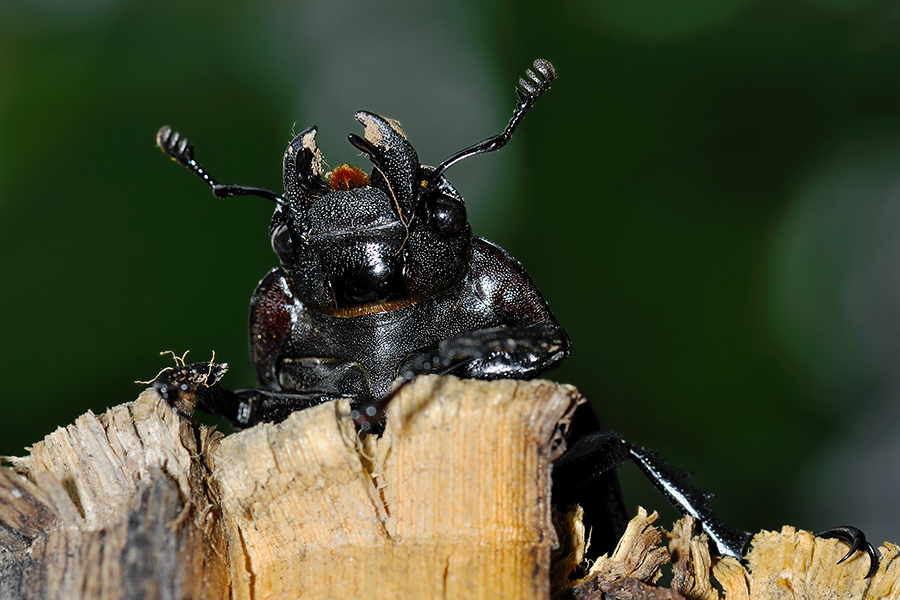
<point x="189" y="387"/>
<point x="518" y="352"/>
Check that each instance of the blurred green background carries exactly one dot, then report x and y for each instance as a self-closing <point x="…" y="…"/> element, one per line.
<point x="708" y="197"/>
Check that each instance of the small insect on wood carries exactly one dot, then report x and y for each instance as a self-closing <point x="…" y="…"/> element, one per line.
<point x="380" y="279"/>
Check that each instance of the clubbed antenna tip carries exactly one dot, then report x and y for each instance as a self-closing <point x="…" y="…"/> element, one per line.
<point x="531" y="87"/>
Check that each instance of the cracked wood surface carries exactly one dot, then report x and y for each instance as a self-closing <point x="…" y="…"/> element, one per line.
<point x="788" y="564"/>
<point x="113" y="506"/>
<point x="452" y="500"/>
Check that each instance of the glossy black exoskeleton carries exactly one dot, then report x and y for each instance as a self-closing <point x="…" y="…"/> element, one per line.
<point x="381" y="278"/>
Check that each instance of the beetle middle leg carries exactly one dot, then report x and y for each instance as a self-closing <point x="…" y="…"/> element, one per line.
<point x="517" y="352"/>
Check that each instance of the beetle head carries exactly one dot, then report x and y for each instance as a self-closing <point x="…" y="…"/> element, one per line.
<point x="354" y="243"/>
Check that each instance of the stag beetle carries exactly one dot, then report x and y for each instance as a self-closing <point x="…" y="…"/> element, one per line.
<point x="381" y="278"/>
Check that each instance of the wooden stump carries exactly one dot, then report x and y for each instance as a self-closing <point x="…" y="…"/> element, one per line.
<point x="451" y="501"/>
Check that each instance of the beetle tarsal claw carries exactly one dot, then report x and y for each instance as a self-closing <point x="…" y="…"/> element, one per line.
<point x="858" y="542"/>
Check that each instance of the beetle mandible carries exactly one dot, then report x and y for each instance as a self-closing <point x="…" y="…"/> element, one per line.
<point x="381" y="278"/>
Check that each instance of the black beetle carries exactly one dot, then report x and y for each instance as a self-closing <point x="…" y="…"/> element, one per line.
<point x="381" y="278"/>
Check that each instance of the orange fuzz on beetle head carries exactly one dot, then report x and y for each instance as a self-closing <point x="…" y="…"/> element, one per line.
<point x="347" y="177"/>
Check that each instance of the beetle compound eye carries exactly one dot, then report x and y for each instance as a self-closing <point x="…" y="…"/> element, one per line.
<point x="282" y="243"/>
<point x="449" y="215"/>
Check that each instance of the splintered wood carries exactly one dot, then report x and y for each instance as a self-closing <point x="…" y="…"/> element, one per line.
<point x="113" y="506"/>
<point x="789" y="564"/>
<point x="451" y="501"/>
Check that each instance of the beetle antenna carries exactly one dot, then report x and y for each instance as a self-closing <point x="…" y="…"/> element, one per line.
<point x="531" y="87"/>
<point x="181" y="151"/>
